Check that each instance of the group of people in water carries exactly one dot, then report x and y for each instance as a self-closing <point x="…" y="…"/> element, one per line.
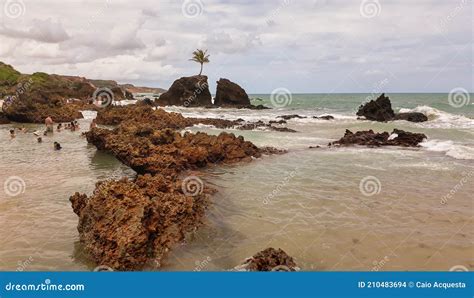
<point x="49" y="123"/>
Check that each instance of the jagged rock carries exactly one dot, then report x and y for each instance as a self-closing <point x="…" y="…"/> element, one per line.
<point x="277" y="122"/>
<point x="126" y="224"/>
<point x="381" y="110"/>
<point x="372" y="139"/>
<point x="269" y="259"/>
<point x="188" y="92"/>
<point x="412" y="117"/>
<point x="377" y="110"/>
<point x="230" y="94"/>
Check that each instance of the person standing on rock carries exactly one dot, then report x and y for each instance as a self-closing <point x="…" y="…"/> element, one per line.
<point x="49" y="124"/>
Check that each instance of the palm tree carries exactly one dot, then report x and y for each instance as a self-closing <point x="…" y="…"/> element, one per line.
<point x="200" y="57"/>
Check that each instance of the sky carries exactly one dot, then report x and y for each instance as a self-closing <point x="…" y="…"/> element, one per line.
<point x="305" y="46"/>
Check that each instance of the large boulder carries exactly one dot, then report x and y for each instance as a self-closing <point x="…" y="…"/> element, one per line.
<point x="230" y="94"/>
<point x="381" y="110"/>
<point x="377" y="110"/>
<point x="188" y="92"/>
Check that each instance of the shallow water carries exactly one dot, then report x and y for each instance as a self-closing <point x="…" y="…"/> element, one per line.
<point x="331" y="209"/>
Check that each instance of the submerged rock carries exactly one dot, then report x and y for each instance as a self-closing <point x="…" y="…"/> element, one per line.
<point x="188" y="92"/>
<point x="381" y="110"/>
<point x="230" y="94"/>
<point x="412" y="117"/>
<point x="372" y="139"/>
<point x="270" y="259"/>
<point x="288" y="117"/>
<point x="325" y="117"/>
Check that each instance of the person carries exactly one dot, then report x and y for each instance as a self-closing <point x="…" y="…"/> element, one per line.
<point x="93" y="124"/>
<point x="73" y="126"/>
<point x="76" y="124"/>
<point x="45" y="133"/>
<point x="60" y="125"/>
<point x="49" y="124"/>
<point x="57" y="146"/>
<point x="12" y="133"/>
<point x="40" y="140"/>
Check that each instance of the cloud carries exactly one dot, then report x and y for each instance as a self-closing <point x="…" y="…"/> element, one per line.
<point x="304" y="45"/>
<point x="48" y="31"/>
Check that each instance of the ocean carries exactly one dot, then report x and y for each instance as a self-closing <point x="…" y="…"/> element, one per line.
<point x="330" y="208"/>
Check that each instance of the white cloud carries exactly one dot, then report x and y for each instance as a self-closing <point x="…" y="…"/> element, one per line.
<point x="309" y="46"/>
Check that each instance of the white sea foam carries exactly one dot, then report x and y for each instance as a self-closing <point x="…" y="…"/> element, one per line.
<point x="441" y="119"/>
<point x="88" y="115"/>
<point x="450" y="148"/>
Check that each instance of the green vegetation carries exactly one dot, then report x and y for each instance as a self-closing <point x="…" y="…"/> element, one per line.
<point x="8" y="75"/>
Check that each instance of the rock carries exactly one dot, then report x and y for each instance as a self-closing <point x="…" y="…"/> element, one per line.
<point x="230" y="94"/>
<point x="278" y="122"/>
<point x="372" y="139"/>
<point x="269" y="259"/>
<point x="381" y="110"/>
<point x="126" y="224"/>
<point x="412" y="117"/>
<point x="288" y="117"/>
<point x="325" y="117"/>
<point x="187" y="91"/>
<point x="4" y="119"/>
<point x="378" y="110"/>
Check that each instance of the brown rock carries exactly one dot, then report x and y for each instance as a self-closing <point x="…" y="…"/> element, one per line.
<point x="230" y="94"/>
<point x="269" y="259"/>
<point x="187" y="91"/>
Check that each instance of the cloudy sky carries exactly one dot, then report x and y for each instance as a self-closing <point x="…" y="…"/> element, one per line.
<point x="325" y="46"/>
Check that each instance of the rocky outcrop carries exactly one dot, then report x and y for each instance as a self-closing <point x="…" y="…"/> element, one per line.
<point x="372" y="139"/>
<point x="270" y="259"/>
<point x="4" y="119"/>
<point x="230" y="94"/>
<point x="377" y="110"/>
<point x="188" y="92"/>
<point x="128" y="224"/>
<point x="381" y="110"/>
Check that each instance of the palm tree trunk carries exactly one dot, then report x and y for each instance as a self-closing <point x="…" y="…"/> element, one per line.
<point x="201" y="69"/>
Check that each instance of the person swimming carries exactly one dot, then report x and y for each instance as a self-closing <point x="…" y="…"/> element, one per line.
<point x="73" y="126"/>
<point x="59" y="127"/>
<point x="40" y="140"/>
<point x="57" y="146"/>
<point x="12" y="133"/>
<point x="76" y="124"/>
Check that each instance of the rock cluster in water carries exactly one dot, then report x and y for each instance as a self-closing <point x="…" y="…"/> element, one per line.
<point x="373" y="139"/>
<point x="230" y="94"/>
<point x="127" y="224"/>
<point x="381" y="110"/>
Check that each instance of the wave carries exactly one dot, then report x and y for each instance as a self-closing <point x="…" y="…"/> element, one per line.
<point x="441" y="119"/>
<point x="450" y="148"/>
